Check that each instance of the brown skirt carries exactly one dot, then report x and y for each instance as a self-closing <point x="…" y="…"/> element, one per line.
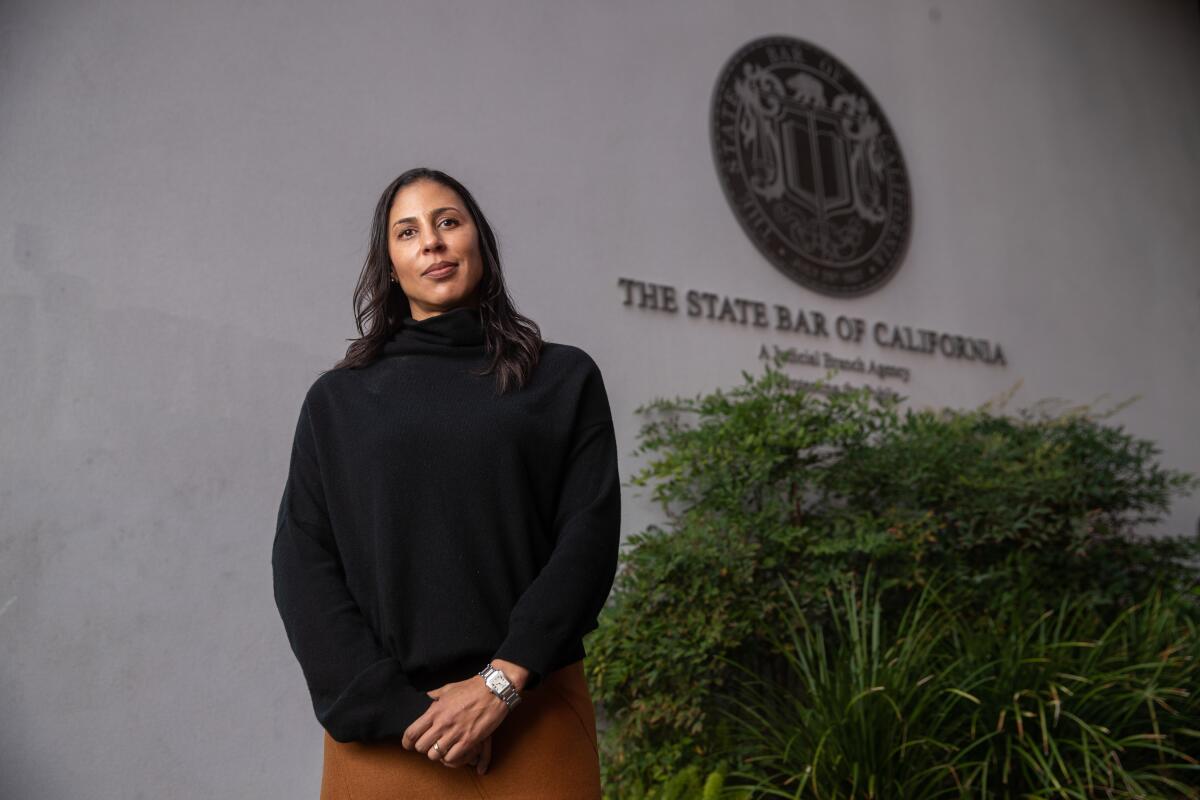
<point x="545" y="749"/>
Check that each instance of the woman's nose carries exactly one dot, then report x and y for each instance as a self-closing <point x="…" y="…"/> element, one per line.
<point x="431" y="240"/>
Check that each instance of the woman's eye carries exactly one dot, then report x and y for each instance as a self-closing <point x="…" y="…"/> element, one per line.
<point x="406" y="232"/>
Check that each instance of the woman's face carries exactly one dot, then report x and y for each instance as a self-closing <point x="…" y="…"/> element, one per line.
<point x="428" y="224"/>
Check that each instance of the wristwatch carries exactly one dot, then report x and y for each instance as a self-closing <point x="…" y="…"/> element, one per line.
<point x="500" y="685"/>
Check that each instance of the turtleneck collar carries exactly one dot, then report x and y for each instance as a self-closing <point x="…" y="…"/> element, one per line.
<point x="458" y="331"/>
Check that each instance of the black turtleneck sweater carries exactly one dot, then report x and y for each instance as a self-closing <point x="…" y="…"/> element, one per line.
<point x="428" y="525"/>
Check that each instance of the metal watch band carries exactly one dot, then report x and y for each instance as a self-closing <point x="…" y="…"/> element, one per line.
<point x="509" y="695"/>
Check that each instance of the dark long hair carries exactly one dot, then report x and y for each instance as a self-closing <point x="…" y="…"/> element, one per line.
<point x="514" y="341"/>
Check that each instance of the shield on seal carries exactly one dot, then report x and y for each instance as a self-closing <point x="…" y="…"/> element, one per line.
<point x="816" y="161"/>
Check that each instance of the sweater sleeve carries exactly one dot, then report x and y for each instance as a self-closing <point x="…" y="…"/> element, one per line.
<point x="359" y="692"/>
<point x="563" y="602"/>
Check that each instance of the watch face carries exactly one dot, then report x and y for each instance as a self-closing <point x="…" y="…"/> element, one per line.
<point x="497" y="682"/>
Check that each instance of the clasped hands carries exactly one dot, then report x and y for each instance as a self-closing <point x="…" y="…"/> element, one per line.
<point x="461" y="720"/>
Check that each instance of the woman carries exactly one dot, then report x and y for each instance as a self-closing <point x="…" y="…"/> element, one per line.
<point x="449" y="527"/>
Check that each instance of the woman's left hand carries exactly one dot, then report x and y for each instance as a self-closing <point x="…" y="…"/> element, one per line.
<point x="462" y="716"/>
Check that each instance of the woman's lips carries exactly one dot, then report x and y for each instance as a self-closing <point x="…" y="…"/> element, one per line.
<point x="441" y="271"/>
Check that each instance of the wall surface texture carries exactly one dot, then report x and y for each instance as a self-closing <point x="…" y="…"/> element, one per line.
<point x="185" y="191"/>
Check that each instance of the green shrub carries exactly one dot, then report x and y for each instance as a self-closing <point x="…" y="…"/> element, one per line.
<point x="687" y="784"/>
<point x="769" y="490"/>
<point x="1024" y="703"/>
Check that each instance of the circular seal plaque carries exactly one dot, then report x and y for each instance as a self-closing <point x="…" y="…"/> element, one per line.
<point x="810" y="166"/>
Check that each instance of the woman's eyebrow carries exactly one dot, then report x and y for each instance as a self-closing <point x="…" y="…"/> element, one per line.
<point x="433" y="213"/>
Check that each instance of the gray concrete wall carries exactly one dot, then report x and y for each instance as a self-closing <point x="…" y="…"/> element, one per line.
<point x="185" y="191"/>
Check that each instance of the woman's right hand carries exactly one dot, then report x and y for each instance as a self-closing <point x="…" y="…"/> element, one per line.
<point x="485" y="756"/>
<point x="480" y="758"/>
